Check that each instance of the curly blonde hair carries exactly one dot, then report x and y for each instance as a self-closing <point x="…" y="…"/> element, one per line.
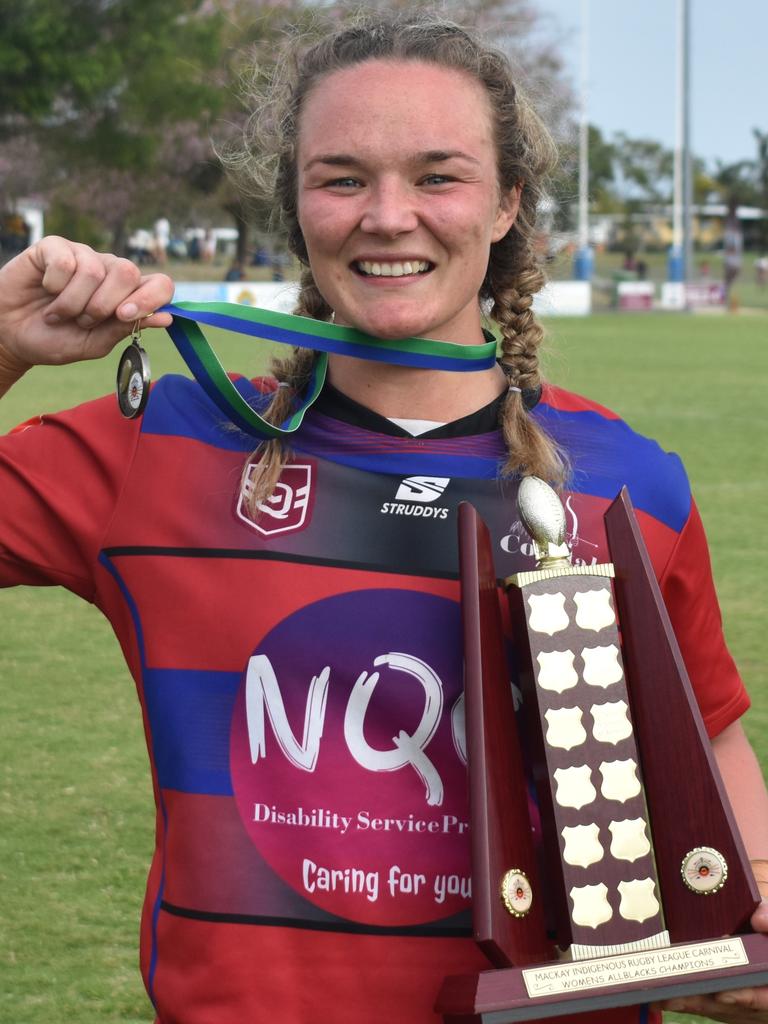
<point x="525" y="156"/>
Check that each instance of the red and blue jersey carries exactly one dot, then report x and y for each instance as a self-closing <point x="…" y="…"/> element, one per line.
<point x="300" y="675"/>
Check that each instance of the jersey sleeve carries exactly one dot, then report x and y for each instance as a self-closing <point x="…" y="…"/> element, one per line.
<point x="689" y="594"/>
<point x="60" y="478"/>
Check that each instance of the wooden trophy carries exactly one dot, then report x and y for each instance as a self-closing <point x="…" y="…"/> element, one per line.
<point x="633" y="885"/>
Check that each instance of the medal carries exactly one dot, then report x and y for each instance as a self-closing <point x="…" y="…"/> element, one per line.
<point x="285" y="328"/>
<point x="133" y="376"/>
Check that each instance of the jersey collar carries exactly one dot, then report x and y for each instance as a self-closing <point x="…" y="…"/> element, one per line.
<point x="338" y="406"/>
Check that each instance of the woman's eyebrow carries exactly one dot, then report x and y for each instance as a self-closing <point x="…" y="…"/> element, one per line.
<point x="436" y="156"/>
<point x="429" y="156"/>
<point x="333" y="160"/>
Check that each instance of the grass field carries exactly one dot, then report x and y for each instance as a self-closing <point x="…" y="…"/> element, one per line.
<point x="76" y="819"/>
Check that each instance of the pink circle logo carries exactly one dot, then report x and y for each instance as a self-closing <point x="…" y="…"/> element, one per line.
<point x="348" y="756"/>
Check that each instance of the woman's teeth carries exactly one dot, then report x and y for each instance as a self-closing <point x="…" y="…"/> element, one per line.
<point x="392" y="269"/>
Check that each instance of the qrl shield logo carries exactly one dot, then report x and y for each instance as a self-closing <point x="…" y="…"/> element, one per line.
<point x="286" y="510"/>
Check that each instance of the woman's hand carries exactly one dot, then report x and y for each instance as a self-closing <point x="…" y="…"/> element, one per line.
<point x="739" y="1006"/>
<point x="61" y="302"/>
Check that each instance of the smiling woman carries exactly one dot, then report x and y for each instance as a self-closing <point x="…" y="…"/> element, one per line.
<point x="292" y="618"/>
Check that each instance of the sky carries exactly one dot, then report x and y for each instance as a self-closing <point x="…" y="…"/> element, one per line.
<point x="632" y="69"/>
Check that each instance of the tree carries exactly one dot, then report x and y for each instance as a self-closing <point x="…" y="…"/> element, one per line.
<point x="73" y="65"/>
<point x="47" y="60"/>
<point x="645" y="168"/>
<point x="251" y="41"/>
<point x="704" y="184"/>
<point x="735" y="182"/>
<point x="602" y="175"/>
<point x="127" y="104"/>
<point x="97" y="85"/>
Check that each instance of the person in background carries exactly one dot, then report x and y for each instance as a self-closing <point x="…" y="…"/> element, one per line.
<point x="209" y="246"/>
<point x="733" y="250"/>
<point x="162" y="234"/>
<point x="236" y="271"/>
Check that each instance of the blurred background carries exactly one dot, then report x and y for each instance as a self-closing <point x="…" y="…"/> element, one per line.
<point x="112" y="114"/>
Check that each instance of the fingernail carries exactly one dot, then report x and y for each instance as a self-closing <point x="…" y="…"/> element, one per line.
<point x="52" y="318"/>
<point x="730" y="998"/>
<point x="129" y="310"/>
<point x="85" y="321"/>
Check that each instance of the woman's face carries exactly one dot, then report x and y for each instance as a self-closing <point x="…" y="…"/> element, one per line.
<point x="398" y="198"/>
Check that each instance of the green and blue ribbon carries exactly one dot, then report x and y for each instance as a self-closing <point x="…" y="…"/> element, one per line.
<point x="302" y="332"/>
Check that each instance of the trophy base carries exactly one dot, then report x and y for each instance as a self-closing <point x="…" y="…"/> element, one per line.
<point x="570" y="987"/>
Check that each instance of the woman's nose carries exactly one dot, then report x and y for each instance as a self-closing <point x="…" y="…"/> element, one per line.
<point x="390" y="210"/>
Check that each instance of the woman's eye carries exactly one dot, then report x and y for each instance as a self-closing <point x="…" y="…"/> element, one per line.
<point x="344" y="183"/>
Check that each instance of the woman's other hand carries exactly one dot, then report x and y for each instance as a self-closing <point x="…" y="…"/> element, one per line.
<point x="748" y="1005"/>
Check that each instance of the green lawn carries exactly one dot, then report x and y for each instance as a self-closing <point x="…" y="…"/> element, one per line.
<point x="75" y="815"/>
<point x="697" y="384"/>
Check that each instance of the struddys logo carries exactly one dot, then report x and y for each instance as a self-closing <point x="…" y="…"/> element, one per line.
<point x="417" y="496"/>
<point x="348" y="757"/>
<point x="288" y="507"/>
